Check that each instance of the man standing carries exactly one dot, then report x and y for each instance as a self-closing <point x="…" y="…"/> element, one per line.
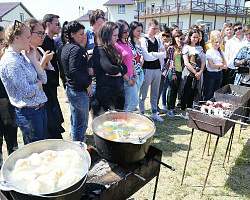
<point x="96" y="19"/>
<point x="152" y="51"/>
<point x="244" y="79"/>
<point x="231" y="49"/>
<point x="54" y="113"/>
<point x="201" y="25"/>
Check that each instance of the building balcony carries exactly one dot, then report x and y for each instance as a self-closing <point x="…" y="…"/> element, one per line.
<point x="194" y="7"/>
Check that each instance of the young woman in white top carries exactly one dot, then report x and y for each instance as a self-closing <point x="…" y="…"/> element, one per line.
<point x="215" y="63"/>
<point x="192" y="72"/>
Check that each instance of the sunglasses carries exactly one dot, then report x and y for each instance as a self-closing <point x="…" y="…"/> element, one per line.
<point x="16" y="24"/>
<point x="124" y="31"/>
<point x="237" y="29"/>
<point x="164" y="35"/>
<point x="40" y="34"/>
<point x="56" y="23"/>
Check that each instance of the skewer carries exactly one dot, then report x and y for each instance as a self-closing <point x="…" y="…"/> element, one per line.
<point x="231" y="112"/>
<point x="232" y="120"/>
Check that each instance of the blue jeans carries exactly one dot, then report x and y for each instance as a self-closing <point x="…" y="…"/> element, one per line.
<point x="164" y="92"/>
<point x="140" y="79"/>
<point x="131" y="96"/>
<point x="212" y="83"/>
<point x="32" y="122"/>
<point x="79" y="107"/>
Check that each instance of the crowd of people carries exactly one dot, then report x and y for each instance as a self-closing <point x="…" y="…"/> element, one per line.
<point x="110" y="66"/>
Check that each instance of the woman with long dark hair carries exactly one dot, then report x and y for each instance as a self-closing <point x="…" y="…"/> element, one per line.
<point x="191" y="74"/>
<point x="131" y="92"/>
<point x="109" y="69"/>
<point x="78" y="89"/>
<point x="135" y="44"/>
<point x="173" y="70"/>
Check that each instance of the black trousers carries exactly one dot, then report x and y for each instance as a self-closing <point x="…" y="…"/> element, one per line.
<point x="108" y="98"/>
<point x="9" y="132"/>
<point x="188" y="94"/>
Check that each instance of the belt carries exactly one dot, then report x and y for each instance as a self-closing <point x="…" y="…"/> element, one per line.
<point x="36" y="107"/>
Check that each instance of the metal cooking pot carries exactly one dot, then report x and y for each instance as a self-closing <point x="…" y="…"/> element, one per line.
<point x="121" y="152"/>
<point x="73" y="191"/>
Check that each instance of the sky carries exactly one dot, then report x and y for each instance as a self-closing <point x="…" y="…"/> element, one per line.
<point x="66" y="9"/>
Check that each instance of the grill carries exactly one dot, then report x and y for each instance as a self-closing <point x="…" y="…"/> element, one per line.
<point x="219" y="126"/>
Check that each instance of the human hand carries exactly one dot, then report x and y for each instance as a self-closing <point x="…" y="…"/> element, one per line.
<point x="119" y="74"/>
<point x="130" y="83"/>
<point x="167" y="44"/>
<point x="31" y="54"/>
<point x="91" y="71"/>
<point x="40" y="85"/>
<point x="174" y="77"/>
<point x="89" y="90"/>
<point x="47" y="56"/>
<point x="198" y="75"/>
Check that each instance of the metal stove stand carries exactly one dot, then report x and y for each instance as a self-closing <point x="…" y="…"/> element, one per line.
<point x="121" y="182"/>
<point x="228" y="150"/>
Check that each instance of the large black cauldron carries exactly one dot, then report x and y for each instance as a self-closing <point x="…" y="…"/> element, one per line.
<point x="121" y="152"/>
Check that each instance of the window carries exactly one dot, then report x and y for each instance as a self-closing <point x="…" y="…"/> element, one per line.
<point x="237" y="3"/>
<point x="199" y="2"/>
<point x="121" y="9"/>
<point x="21" y="17"/>
<point x="211" y="1"/>
<point x="141" y="6"/>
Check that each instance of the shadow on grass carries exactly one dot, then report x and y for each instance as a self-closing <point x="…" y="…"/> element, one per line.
<point x="239" y="176"/>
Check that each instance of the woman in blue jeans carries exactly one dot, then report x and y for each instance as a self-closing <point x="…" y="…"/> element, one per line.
<point x="22" y="77"/>
<point x="215" y="63"/>
<point x="78" y="89"/>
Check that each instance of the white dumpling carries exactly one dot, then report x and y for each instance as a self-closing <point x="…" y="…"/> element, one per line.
<point x="35" y="159"/>
<point x="24" y="176"/>
<point x="34" y="187"/>
<point x="68" y="179"/>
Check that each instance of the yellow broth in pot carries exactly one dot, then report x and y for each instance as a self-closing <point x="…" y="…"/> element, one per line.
<point x="124" y="130"/>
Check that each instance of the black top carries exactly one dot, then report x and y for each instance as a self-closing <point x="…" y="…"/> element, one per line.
<point x="52" y="76"/>
<point x="103" y="68"/>
<point x="74" y="61"/>
<point x="152" y="47"/>
<point x="3" y="93"/>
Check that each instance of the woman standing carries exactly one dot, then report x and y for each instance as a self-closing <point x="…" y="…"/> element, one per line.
<point x="135" y="44"/>
<point x="191" y="74"/>
<point x="23" y="81"/>
<point x="78" y="89"/>
<point x="36" y="39"/>
<point x="131" y="92"/>
<point x="215" y="63"/>
<point x="174" y="71"/>
<point x="109" y="69"/>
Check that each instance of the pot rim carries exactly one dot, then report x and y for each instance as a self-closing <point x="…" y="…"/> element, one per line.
<point x="16" y="188"/>
<point x="126" y="142"/>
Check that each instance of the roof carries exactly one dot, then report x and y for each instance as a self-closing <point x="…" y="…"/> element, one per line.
<point x="6" y="7"/>
<point x="86" y="17"/>
<point x="119" y="2"/>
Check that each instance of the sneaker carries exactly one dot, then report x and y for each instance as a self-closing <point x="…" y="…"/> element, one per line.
<point x="165" y="107"/>
<point x="178" y="104"/>
<point x="157" y="117"/>
<point x="184" y="117"/>
<point x="159" y="110"/>
<point x="170" y="114"/>
<point x="175" y="112"/>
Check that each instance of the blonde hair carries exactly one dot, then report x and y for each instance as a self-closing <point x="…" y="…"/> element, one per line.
<point x="214" y="35"/>
<point x="13" y="29"/>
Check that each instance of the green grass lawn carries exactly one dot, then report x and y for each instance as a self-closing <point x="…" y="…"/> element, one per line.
<point x="172" y="137"/>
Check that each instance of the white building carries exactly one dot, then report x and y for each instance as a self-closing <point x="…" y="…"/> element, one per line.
<point x="11" y="11"/>
<point x="184" y="13"/>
